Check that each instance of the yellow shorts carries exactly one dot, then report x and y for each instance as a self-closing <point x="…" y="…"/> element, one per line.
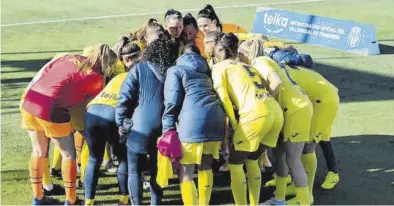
<point x="264" y="130"/>
<point x="324" y="112"/>
<point x="192" y="152"/>
<point x="78" y="117"/>
<point x="297" y="126"/>
<point x="51" y="129"/>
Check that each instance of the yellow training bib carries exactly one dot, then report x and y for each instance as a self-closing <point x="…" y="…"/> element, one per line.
<point x="110" y="94"/>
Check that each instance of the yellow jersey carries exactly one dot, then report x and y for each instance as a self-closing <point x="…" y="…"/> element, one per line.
<point x="119" y="68"/>
<point x="110" y="94"/>
<point x="312" y="83"/>
<point x="290" y="96"/>
<point x="240" y="87"/>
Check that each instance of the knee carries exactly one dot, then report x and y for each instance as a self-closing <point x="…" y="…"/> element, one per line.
<point x="39" y="152"/>
<point x="206" y="163"/>
<point x="69" y="154"/>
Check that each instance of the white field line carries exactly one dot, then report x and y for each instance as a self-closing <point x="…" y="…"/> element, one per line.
<point x="154" y="13"/>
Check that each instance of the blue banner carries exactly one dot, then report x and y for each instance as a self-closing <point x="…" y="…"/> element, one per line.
<point x="310" y="29"/>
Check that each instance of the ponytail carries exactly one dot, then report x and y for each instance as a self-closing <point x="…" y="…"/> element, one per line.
<point x="209" y="12"/>
<point x="101" y="54"/>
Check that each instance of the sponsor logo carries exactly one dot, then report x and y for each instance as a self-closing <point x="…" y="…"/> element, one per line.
<point x="354" y="37"/>
<point x="276" y="20"/>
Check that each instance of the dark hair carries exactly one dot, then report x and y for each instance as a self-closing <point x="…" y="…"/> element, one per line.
<point x="189" y="19"/>
<point x="125" y="46"/>
<point x="172" y="13"/>
<point x="209" y="12"/>
<point x="191" y="48"/>
<point x="161" y="52"/>
<point x="229" y="42"/>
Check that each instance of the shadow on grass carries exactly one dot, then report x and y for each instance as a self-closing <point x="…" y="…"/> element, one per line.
<point x="366" y="167"/>
<point x="365" y="164"/>
<point x="358" y="86"/>
<point x="42" y="52"/>
<point x="386" y="49"/>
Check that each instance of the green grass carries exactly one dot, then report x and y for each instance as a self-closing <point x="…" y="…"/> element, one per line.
<point x="364" y="126"/>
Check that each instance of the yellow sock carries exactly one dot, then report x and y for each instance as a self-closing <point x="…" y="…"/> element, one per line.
<point x="310" y="164"/>
<point x="281" y="184"/>
<point x="124" y="199"/>
<point x="238" y="184"/>
<point x="89" y="201"/>
<point x="189" y="193"/>
<point x="303" y="195"/>
<point x="57" y="159"/>
<point x="84" y="161"/>
<point x="106" y="154"/>
<point x="205" y="183"/>
<point x="46" y="176"/>
<point x="78" y="141"/>
<point x="254" y="181"/>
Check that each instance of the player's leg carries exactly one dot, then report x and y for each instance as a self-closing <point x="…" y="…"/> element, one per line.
<point x="293" y="160"/>
<point x="237" y="175"/>
<point x="36" y="167"/>
<point x="330" y="105"/>
<point x="69" y="166"/>
<point x="39" y="143"/>
<point x="50" y="189"/>
<point x="79" y="142"/>
<point x="332" y="177"/>
<point x="121" y="155"/>
<point x="254" y="175"/>
<point x="85" y="154"/>
<point x="205" y="179"/>
<point x="155" y="190"/>
<point x="188" y="188"/>
<point x="56" y="163"/>
<point x="97" y="132"/>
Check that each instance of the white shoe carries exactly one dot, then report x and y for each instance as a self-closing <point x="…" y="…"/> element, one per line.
<point x="273" y="201"/>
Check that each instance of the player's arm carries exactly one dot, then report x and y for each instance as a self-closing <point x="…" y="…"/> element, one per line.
<point x="173" y="98"/>
<point x="127" y="97"/>
<point x="265" y="68"/>
<point x="220" y="86"/>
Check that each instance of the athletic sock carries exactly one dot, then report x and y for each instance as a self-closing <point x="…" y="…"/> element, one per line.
<point x="57" y="159"/>
<point x="205" y="183"/>
<point x="124" y="199"/>
<point x="254" y="181"/>
<point x="310" y="164"/>
<point x="106" y="157"/>
<point x="36" y="172"/>
<point x="46" y="176"/>
<point x="79" y="141"/>
<point x="69" y="172"/>
<point x="189" y="193"/>
<point x="303" y="195"/>
<point x="238" y="184"/>
<point x="281" y="184"/>
<point x="89" y="201"/>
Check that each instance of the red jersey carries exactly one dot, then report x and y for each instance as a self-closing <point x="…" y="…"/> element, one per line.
<point x="59" y="86"/>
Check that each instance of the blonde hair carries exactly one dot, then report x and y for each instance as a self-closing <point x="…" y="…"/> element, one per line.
<point x="250" y="49"/>
<point x="102" y="54"/>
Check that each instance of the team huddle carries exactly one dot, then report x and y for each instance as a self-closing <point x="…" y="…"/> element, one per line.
<point x="173" y="98"/>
